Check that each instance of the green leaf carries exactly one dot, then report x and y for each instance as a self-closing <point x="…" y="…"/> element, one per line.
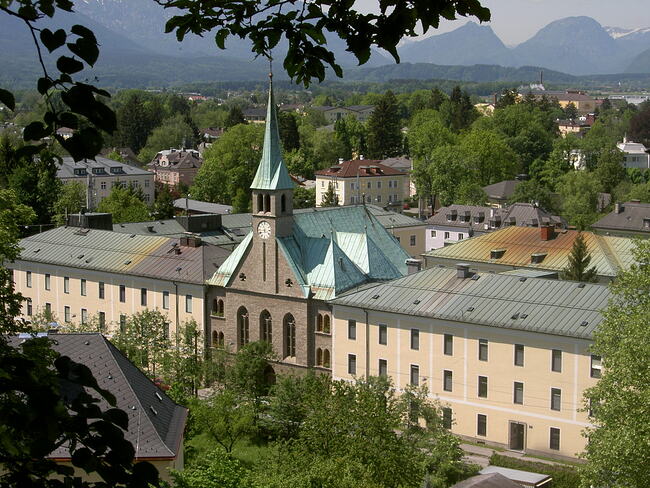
<point x="66" y="64"/>
<point x="34" y="131"/>
<point x="53" y="40"/>
<point x="117" y="417"/>
<point x="220" y="38"/>
<point x="68" y="119"/>
<point x="84" y="32"/>
<point x="84" y="144"/>
<point x="8" y="99"/>
<point x="43" y="85"/>
<point x="86" y="49"/>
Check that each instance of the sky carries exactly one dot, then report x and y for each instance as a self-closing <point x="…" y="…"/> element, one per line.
<point x="515" y="21"/>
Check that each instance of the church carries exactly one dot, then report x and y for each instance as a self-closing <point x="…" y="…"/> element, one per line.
<point x="276" y="284"/>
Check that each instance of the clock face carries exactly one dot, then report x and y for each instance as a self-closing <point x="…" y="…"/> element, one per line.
<point x="264" y="229"/>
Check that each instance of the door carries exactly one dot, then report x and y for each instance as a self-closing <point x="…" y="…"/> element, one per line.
<point x="517" y="436"/>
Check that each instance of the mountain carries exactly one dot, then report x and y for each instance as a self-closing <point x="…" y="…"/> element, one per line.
<point x="640" y="63"/>
<point x="576" y="45"/>
<point x="469" y="44"/>
<point x="632" y="41"/>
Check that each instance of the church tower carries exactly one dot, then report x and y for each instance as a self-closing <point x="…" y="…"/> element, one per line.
<point x="272" y="187"/>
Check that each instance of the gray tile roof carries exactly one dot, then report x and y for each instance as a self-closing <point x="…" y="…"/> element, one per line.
<point x="491" y="480"/>
<point x="203" y="207"/>
<point x="490" y="218"/>
<point x="156" y="423"/>
<point x="130" y="254"/>
<point x="102" y="166"/>
<point x="501" y="190"/>
<point x="529" y="304"/>
<point x="632" y="217"/>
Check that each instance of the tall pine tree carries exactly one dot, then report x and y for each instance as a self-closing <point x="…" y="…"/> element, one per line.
<point x="384" y="129"/>
<point x="579" y="259"/>
<point x="330" y="199"/>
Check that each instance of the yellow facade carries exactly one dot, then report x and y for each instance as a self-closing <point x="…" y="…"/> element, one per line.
<point x="534" y="417"/>
<point x="377" y="190"/>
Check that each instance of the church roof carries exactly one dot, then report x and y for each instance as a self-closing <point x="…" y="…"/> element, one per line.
<point x="330" y="251"/>
<point x="272" y="173"/>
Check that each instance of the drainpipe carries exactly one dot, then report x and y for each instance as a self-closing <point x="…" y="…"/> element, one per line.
<point x="176" y="295"/>
<point x="367" y="345"/>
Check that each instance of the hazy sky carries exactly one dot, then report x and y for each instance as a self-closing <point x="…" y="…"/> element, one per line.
<point x="515" y="21"/>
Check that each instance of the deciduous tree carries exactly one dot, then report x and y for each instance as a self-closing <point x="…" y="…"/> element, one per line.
<point x="126" y="205"/>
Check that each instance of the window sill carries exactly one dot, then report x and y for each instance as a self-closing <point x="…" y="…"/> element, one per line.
<point x="321" y="333"/>
<point x="216" y="316"/>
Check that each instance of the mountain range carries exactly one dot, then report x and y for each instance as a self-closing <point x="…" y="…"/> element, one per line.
<point x="135" y="51"/>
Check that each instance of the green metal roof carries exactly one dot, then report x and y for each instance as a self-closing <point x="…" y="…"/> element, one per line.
<point x="563" y="308"/>
<point x="272" y="173"/>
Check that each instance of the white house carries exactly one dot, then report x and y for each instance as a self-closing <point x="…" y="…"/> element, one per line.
<point x="636" y="155"/>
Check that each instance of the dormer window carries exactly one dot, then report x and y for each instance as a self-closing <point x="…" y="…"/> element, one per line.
<point x="117" y="170"/>
<point x="80" y="172"/>
<point x="537" y="257"/>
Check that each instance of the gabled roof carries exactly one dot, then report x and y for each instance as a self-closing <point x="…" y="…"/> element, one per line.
<point x="156" y="423"/>
<point x="200" y="206"/>
<point x="331" y="250"/>
<point x="608" y="254"/>
<point x="490" y="218"/>
<point x="563" y="308"/>
<point x="102" y="166"/>
<point x="363" y="167"/>
<point x="501" y="190"/>
<point x="272" y="173"/>
<point x="631" y="217"/>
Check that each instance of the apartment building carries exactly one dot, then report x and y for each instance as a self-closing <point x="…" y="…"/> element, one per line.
<point x="79" y="274"/>
<point x="507" y="357"/>
<point x="101" y="175"/>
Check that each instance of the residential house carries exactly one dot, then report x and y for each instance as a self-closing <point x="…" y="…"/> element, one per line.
<point x="409" y="232"/>
<point x="361" y="112"/>
<point x="537" y="248"/>
<point x="584" y="103"/>
<point x="254" y="115"/>
<point x="577" y="128"/>
<point x="405" y="165"/>
<point x="508" y="358"/>
<point x="636" y="154"/>
<point x="176" y="166"/>
<point x="101" y="175"/>
<point x="156" y="422"/>
<point x="457" y="222"/>
<point x="362" y="181"/>
<point x="211" y="134"/>
<point x="629" y="219"/>
<point x="499" y="193"/>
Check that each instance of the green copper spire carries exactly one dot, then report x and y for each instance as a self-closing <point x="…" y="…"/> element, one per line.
<point x="272" y="173"/>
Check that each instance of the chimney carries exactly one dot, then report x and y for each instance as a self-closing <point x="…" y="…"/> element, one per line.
<point x="618" y="207"/>
<point x="462" y="271"/>
<point x="413" y="265"/>
<point x="361" y="157"/>
<point x="547" y="232"/>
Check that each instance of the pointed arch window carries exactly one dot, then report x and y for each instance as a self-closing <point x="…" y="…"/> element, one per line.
<point x="266" y="327"/>
<point x="217" y="307"/>
<point x="289" y="336"/>
<point x="260" y="203"/>
<point x="326" y="324"/>
<point x="319" y="323"/>
<point x="319" y="357"/>
<point x="267" y="203"/>
<point x="242" y="326"/>
<point x="326" y="358"/>
<point x="221" y="339"/>
<point x="215" y="338"/>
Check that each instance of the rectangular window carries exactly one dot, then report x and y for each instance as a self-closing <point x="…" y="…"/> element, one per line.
<point x="66" y="284"/>
<point x="519" y="354"/>
<point x="446" y="235"/>
<point x="165" y="300"/>
<point x="556" y="361"/>
<point x="352" y="329"/>
<point x="28" y="279"/>
<point x="415" y="339"/>
<point x="84" y="316"/>
<point x="122" y="322"/>
<point x="415" y="374"/>
<point x="554" y="442"/>
<point x="101" y="290"/>
<point x="482" y="386"/>
<point x="596" y="366"/>
<point x="447" y="383"/>
<point x="433" y="233"/>
<point x="30" y="309"/>
<point x="412" y="240"/>
<point x="83" y="287"/>
<point x="449" y="345"/>
<point x="518" y="396"/>
<point x="143" y="297"/>
<point x="102" y="321"/>
<point x="48" y="310"/>
<point x="352" y="364"/>
<point x="188" y="303"/>
<point x="378" y="198"/>
<point x="481" y="425"/>
<point x="556" y="399"/>
<point x="383" y="334"/>
<point x="47" y="281"/>
<point x="446" y="417"/>
<point x="103" y="185"/>
<point x="66" y="313"/>
<point x="122" y="293"/>
<point x="369" y="184"/>
<point x="383" y="367"/>
<point x="460" y="236"/>
<point x="482" y="350"/>
<point x="379" y="184"/>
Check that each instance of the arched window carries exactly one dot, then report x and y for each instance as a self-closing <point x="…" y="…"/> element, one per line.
<point x="319" y="323"/>
<point x="220" y="308"/>
<point x="242" y="326"/>
<point x="215" y="339"/>
<point x="215" y="307"/>
<point x="260" y="203"/>
<point x="326" y="358"/>
<point x="221" y="339"/>
<point x="326" y="324"/>
<point x="266" y="327"/>
<point x="319" y="357"/>
<point x="283" y="203"/>
<point x="289" y="336"/>
<point x="267" y="203"/>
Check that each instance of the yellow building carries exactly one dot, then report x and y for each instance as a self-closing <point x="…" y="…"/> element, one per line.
<point x="362" y="180"/>
<point x="508" y="357"/>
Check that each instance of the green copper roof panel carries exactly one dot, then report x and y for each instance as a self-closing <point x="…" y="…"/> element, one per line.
<point x="222" y="276"/>
<point x="272" y="173"/>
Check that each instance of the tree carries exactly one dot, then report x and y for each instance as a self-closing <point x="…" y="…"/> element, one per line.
<point x="508" y="97"/>
<point x="163" y="205"/>
<point x="579" y="193"/>
<point x="330" y="198"/>
<point x="640" y="127"/>
<point x="458" y="111"/>
<point x="173" y="132"/>
<point x="288" y="128"/>
<point x="215" y="469"/>
<point x="135" y="123"/>
<point x="578" y="267"/>
<point x="385" y="129"/>
<point x="125" y="204"/>
<point x="242" y="201"/>
<point x="531" y="191"/>
<point x="234" y="117"/>
<point x="71" y="199"/>
<point x="571" y="111"/>
<point x="352" y="134"/>
<point x="304" y="197"/>
<point x="620" y="401"/>
<point x="610" y="170"/>
<point x="490" y="155"/>
<point x="470" y="193"/>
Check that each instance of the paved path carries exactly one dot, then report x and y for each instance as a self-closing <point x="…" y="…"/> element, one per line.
<point x="481" y="455"/>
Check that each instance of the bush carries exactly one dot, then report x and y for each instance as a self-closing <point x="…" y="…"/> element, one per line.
<point x="563" y="476"/>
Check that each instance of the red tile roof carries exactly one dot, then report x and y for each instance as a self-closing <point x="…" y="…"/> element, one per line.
<point x="364" y="167"/>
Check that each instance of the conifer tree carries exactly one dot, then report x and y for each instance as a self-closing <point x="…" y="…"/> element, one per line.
<point x="384" y="129"/>
<point x="579" y="259"/>
<point x="329" y="198"/>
